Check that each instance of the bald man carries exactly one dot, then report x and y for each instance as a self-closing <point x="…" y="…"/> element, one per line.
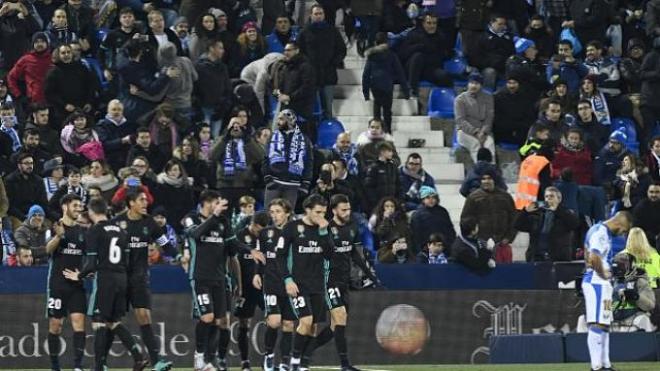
<point x="347" y="151"/>
<point x="116" y="134"/>
<point x="597" y="286"/>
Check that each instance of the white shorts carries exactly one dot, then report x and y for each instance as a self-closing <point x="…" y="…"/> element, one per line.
<point x="598" y="301"/>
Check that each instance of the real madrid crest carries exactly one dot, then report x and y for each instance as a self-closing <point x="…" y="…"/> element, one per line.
<point x="301" y="230"/>
<point x="271" y="233"/>
<point x="123" y="224"/>
<point x="248" y="239"/>
<point x="145" y="231"/>
<point x="335" y="231"/>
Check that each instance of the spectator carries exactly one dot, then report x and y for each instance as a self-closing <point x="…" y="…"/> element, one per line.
<point x="534" y="177"/>
<point x="190" y="156"/>
<point x="344" y="179"/>
<point x="16" y="26"/>
<point x="559" y="92"/>
<point x="24" y="257"/>
<point x="390" y="226"/>
<point x="144" y="172"/>
<point x="472" y="16"/>
<point x="131" y="180"/>
<point x="293" y="84"/>
<point x="58" y="31"/>
<point x="589" y="25"/>
<point x="382" y="176"/>
<point x="205" y="141"/>
<point x="632" y="182"/>
<point x="179" y="91"/>
<point x="434" y="251"/>
<point x="650" y="104"/>
<point x="159" y="35"/>
<point x="288" y="166"/>
<point x="258" y="75"/>
<point x="174" y="191"/>
<point x="213" y="88"/>
<point x="262" y="136"/>
<point x="24" y="189"/>
<point x="474" y="112"/>
<point x="115" y="132"/>
<point x="144" y="147"/>
<point x="9" y="137"/>
<point x="539" y="33"/>
<point x="31" y="141"/>
<point x="33" y="233"/>
<point x="49" y="138"/>
<point x="251" y="46"/>
<point x="53" y="174"/>
<point x="653" y="159"/>
<point x="647" y="213"/>
<point x="470" y="251"/>
<point x="160" y="217"/>
<point x="73" y="185"/>
<point x="527" y="68"/>
<point x="164" y="129"/>
<point x="282" y="33"/>
<point x="484" y="165"/>
<point x="494" y="47"/>
<point x="631" y="66"/>
<point x="413" y="177"/>
<point x="110" y="48"/>
<point x="573" y="154"/>
<point x="368" y="141"/>
<point x="396" y="18"/>
<point x="493" y="209"/>
<point x="246" y="209"/>
<point x="652" y="19"/>
<point x="513" y="113"/>
<point x="323" y="45"/>
<point x="381" y="71"/>
<point x="205" y="32"/>
<point x="368" y="13"/>
<point x="594" y="134"/>
<point x="589" y="91"/>
<point x="140" y="73"/>
<point x="77" y="132"/>
<point x="539" y="135"/>
<point x="30" y="71"/>
<point x="238" y="156"/>
<point x="552" y="118"/>
<point x="181" y="27"/>
<point x="4" y="202"/>
<point x="566" y="67"/>
<point x="423" y="52"/>
<point x="606" y="70"/>
<point x="609" y="159"/>
<point x="327" y="186"/>
<point x="100" y="175"/>
<point x="550" y="226"/>
<point x="347" y="151"/>
<point x="430" y="218"/>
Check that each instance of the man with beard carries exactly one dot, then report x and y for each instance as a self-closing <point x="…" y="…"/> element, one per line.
<point x="514" y="112"/>
<point x="49" y="138"/>
<point x="595" y="134"/>
<point x="30" y="71"/>
<point x="24" y="189"/>
<point x="115" y="39"/>
<point x="413" y="177"/>
<point x="647" y="213"/>
<point x="31" y="145"/>
<point x="213" y="86"/>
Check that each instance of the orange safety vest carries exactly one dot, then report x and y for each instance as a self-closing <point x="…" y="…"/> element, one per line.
<point x="528" y="180"/>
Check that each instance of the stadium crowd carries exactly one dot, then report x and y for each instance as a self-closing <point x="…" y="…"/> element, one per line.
<point x="175" y="97"/>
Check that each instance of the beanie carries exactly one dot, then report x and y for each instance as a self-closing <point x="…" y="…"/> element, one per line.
<point x="427" y="191"/>
<point x="35" y="210"/>
<point x="619" y="136"/>
<point x="475" y="76"/>
<point x="523" y="44"/>
<point x="40" y="36"/>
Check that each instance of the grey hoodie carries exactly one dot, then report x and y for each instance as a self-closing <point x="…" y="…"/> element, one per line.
<point x="179" y="90"/>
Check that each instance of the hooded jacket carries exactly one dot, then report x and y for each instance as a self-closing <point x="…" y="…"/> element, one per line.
<point x="257" y="74"/>
<point x="180" y="89"/>
<point x="514" y="114"/>
<point x="606" y="164"/>
<point x="30" y="69"/>
<point x="247" y="178"/>
<point x="434" y="47"/>
<point x="495" y="211"/>
<point x="428" y="220"/>
<point x="578" y="159"/>
<point x="213" y="86"/>
<point x="24" y="191"/>
<point x="111" y="134"/>
<point x="142" y="75"/>
<point x="382" y="70"/>
<point x="33" y="238"/>
<point x="494" y="49"/>
<point x="15" y="36"/>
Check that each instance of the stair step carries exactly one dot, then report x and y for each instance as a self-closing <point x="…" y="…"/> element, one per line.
<point x="420" y="128"/>
<point x="433" y="138"/>
<point x="354" y="107"/>
<point x="445" y="172"/>
<point x="349" y="76"/>
<point x="430" y="156"/>
<point x="354" y="63"/>
<point x="355" y="92"/>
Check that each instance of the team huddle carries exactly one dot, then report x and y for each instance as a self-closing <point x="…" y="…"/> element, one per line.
<point x="294" y="270"/>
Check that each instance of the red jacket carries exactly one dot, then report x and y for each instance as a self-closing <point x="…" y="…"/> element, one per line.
<point x="32" y="69"/>
<point x="578" y="161"/>
<point x="120" y="195"/>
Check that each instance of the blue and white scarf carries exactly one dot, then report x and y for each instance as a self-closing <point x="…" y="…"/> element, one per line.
<point x="234" y="157"/>
<point x="297" y="151"/>
<point x="602" y="112"/>
<point x="13" y="134"/>
<point x="349" y="158"/>
<point x="438" y="259"/>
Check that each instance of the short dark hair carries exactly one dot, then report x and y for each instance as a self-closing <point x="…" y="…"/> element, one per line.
<point x="126" y="10"/>
<point x="73" y="170"/>
<point x="596" y="44"/>
<point x="496" y="16"/>
<point x="340" y="160"/>
<point x="468" y="225"/>
<point x="584" y="101"/>
<point x="553" y="100"/>
<point x="314" y="200"/>
<point x="656" y="138"/>
<point x="23" y="155"/>
<point x="98" y="206"/>
<point x="261" y="218"/>
<point x="484" y="154"/>
<point x="337" y="199"/>
<point x="133" y="195"/>
<point x="414" y="155"/>
<point x="565" y="42"/>
<point x="576" y="131"/>
<point x="30" y="132"/>
<point x="133" y="48"/>
<point x="69" y="198"/>
<point x="213" y="41"/>
<point x="143" y="129"/>
<point x="36" y="107"/>
<point x="208" y="195"/>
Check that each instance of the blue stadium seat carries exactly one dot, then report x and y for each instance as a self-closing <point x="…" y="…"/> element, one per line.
<point x="627" y="126"/>
<point x="509" y="146"/>
<point x="318" y="108"/>
<point x="426" y="84"/>
<point x="441" y="103"/>
<point x="95" y="66"/>
<point x="101" y="33"/>
<point x="327" y="133"/>
<point x="455" y="66"/>
<point x="656" y="130"/>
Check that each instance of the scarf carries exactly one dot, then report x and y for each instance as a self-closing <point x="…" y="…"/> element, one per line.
<point x="349" y="158"/>
<point x="600" y="108"/>
<point x="498" y="34"/>
<point x="438" y="259"/>
<point x="297" y="151"/>
<point x="80" y="191"/>
<point x="205" y="149"/>
<point x="13" y="134"/>
<point x="51" y="187"/>
<point x="570" y="147"/>
<point x="179" y="182"/>
<point x="234" y="157"/>
<point x="78" y="138"/>
<point x="116" y="123"/>
<point x="657" y="160"/>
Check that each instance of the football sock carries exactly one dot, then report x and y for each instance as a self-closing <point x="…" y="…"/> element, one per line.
<point x="129" y="341"/>
<point x="285" y="346"/>
<point x="202" y="336"/>
<point x="595" y="344"/>
<point x="223" y="343"/>
<point x="606" y="349"/>
<point x="270" y="338"/>
<point x="78" y="348"/>
<point x="324" y="337"/>
<point x="150" y="341"/>
<point x="243" y="342"/>
<point x="340" y="343"/>
<point x="54" y="350"/>
<point x="100" y="346"/>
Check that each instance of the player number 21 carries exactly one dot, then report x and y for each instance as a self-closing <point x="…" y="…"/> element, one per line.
<point x="334" y="293"/>
<point x="115" y="251"/>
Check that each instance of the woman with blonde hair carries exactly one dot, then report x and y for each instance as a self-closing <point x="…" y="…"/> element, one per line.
<point x="646" y="257"/>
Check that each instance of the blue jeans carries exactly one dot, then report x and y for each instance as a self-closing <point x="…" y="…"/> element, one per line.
<point x="216" y="125"/>
<point x="326" y="93"/>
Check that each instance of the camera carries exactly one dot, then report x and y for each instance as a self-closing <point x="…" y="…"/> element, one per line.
<point x="541" y="204"/>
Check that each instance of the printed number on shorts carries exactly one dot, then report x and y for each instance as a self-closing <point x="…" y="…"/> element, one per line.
<point x="115" y="251"/>
<point x="54" y="303"/>
<point x="271" y="300"/>
<point x="203" y="299"/>
<point x="299" y="302"/>
<point x="334" y="293"/>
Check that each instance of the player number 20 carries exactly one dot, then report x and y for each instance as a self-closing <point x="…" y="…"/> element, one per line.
<point x="54" y="303"/>
<point x="115" y="251"/>
<point x="203" y="299"/>
<point x="334" y="293"/>
<point x="299" y="302"/>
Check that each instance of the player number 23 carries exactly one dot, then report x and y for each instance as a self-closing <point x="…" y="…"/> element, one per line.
<point x="299" y="302"/>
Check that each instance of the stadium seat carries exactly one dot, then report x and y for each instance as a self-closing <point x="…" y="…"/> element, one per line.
<point x="101" y="33"/>
<point x="455" y="66"/>
<point x="318" y="108"/>
<point x="327" y="133"/>
<point x="509" y="146"/>
<point x="441" y="103"/>
<point x="426" y="84"/>
<point x="627" y="126"/>
<point x="95" y="66"/>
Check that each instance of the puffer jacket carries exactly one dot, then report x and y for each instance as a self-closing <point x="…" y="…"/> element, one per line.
<point x="33" y="238"/>
<point x="495" y="212"/>
<point x="578" y="160"/>
<point x="382" y="180"/>
<point x="382" y="70"/>
<point x="325" y="48"/>
<point x="30" y="69"/>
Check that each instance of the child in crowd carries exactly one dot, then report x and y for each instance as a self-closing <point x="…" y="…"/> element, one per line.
<point x="434" y="251"/>
<point x="247" y="207"/>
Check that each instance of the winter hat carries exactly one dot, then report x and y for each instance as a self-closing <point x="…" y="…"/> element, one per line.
<point x="427" y="191"/>
<point x="217" y="13"/>
<point x="35" y="210"/>
<point x="40" y="36"/>
<point x="476" y="76"/>
<point x="635" y="43"/>
<point x="490" y="171"/>
<point x="484" y="154"/>
<point x="619" y="136"/>
<point x="249" y="25"/>
<point x="523" y="44"/>
<point x="159" y="211"/>
<point x="50" y="166"/>
<point x="180" y="20"/>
